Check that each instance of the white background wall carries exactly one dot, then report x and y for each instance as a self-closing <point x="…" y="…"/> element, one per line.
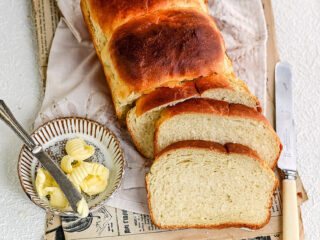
<point x="298" y="34"/>
<point x="21" y="88"/>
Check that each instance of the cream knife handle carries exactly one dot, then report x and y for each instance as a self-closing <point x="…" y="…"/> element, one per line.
<point x="290" y="210"/>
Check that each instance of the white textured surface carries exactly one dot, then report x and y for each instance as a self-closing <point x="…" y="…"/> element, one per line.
<point x="20" y="87"/>
<point x="298" y="34"/>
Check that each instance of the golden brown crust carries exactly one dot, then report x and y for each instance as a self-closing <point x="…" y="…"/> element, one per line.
<point x="242" y="84"/>
<point x="212" y="82"/>
<point x="213" y="146"/>
<point x="185" y="90"/>
<point x="84" y="10"/>
<point x="220" y="108"/>
<point x="243" y="150"/>
<point x="165" y="95"/>
<point x="211" y="106"/>
<point x="112" y="13"/>
<point x="222" y="81"/>
<point x="165" y="48"/>
<point x="157" y="11"/>
<point x="193" y="144"/>
<point x="226" y="149"/>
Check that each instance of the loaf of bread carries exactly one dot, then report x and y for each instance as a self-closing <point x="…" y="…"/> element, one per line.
<point x="218" y="121"/>
<point x="143" y="45"/>
<point x="141" y="119"/>
<point x="203" y="184"/>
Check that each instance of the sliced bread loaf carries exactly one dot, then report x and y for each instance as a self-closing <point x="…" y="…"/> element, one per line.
<point x="141" y="119"/>
<point x="203" y="184"/>
<point x="218" y="121"/>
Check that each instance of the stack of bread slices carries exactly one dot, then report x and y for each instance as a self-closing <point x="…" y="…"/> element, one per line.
<point x="173" y="84"/>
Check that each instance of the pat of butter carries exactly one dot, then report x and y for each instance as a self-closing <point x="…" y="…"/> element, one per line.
<point x="47" y="186"/>
<point x="90" y="177"/>
<point x="97" y="180"/>
<point x="78" y="149"/>
<point x="82" y="208"/>
<point x="94" y="184"/>
<point x="43" y="181"/>
<point x="66" y="164"/>
<point x="57" y="198"/>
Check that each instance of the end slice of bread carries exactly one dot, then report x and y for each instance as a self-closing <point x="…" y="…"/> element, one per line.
<point x="218" y="121"/>
<point x="141" y="119"/>
<point x="228" y="88"/>
<point x="203" y="184"/>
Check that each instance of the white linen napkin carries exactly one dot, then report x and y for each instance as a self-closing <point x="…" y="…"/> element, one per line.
<point x="76" y="85"/>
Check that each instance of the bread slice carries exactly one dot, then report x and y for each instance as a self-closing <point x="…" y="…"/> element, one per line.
<point x="228" y="88"/>
<point x="141" y="119"/>
<point x="218" y="121"/>
<point x="203" y="184"/>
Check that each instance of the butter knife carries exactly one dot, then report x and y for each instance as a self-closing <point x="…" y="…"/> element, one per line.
<point x="287" y="162"/>
<point x="69" y="190"/>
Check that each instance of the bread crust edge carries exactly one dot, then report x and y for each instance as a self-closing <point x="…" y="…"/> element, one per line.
<point x="85" y="10"/>
<point x="184" y="92"/>
<point x="198" y="144"/>
<point x="226" y="109"/>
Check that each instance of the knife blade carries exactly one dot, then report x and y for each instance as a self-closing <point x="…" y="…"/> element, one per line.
<point x="284" y="116"/>
<point x="287" y="161"/>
